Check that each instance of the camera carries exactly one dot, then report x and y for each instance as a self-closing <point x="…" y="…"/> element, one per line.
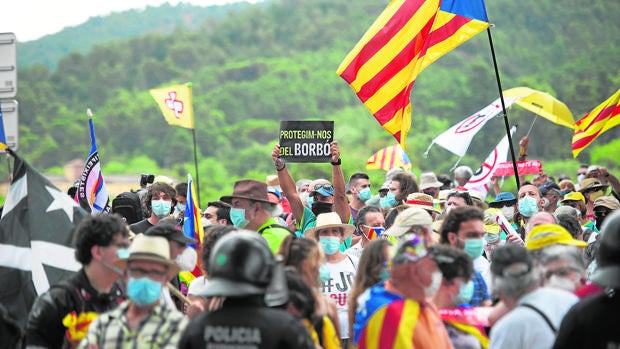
<point x="146" y="179"/>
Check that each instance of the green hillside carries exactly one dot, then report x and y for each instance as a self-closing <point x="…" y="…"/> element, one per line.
<point x="277" y="61"/>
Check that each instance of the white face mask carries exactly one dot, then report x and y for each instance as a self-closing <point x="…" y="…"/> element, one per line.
<point x="562" y="283"/>
<point x="431" y="290"/>
<point x="187" y="259"/>
<point x="508" y="212"/>
<point x="205" y="222"/>
<point x="304" y="198"/>
<point x="278" y="210"/>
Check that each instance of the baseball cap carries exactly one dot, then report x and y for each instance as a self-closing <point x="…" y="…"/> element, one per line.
<point x="321" y="186"/>
<point x="406" y="219"/>
<point x="574" y="196"/>
<point x="385" y="186"/>
<point x="503" y="199"/>
<point x="607" y="201"/>
<point x="545" y="235"/>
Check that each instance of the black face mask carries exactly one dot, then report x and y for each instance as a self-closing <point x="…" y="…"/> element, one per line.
<point x="599" y="218"/>
<point x="321" y="207"/>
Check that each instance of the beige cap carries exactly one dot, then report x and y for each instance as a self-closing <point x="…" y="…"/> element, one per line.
<point x="408" y="218"/>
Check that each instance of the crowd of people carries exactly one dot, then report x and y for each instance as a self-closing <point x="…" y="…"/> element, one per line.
<point x="318" y="263"/>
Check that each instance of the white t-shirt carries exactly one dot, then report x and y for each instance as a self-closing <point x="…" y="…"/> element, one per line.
<point x="355" y="250"/>
<point x="338" y="287"/>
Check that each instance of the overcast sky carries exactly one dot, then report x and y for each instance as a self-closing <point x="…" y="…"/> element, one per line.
<point x="32" y="19"/>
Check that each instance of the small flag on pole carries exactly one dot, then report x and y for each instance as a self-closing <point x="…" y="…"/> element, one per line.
<point x="92" y="194"/>
<point x="596" y="122"/>
<point x="175" y="103"/>
<point x="2" y="134"/>
<point x="389" y="158"/>
<point x="192" y="223"/>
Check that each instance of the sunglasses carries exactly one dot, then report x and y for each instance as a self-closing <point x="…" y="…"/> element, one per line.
<point x="325" y="186"/>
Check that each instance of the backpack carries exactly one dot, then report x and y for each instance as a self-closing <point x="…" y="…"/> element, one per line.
<point x="127" y="205"/>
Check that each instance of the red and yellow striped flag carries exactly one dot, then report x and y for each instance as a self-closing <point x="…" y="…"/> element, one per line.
<point x="389" y="158"/>
<point x="600" y="119"/>
<point x="406" y="38"/>
<point x="384" y="64"/>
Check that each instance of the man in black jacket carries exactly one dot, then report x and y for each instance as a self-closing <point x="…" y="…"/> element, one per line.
<point x="99" y="241"/>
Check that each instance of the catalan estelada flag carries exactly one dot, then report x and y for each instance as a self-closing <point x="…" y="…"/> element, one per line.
<point x="596" y="122"/>
<point x="175" y="103"/>
<point x="384" y="64"/>
<point x="389" y="158"/>
<point x="2" y="134"/>
<point x="192" y="224"/>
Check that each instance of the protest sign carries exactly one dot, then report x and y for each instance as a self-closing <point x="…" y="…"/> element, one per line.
<point x="306" y="141"/>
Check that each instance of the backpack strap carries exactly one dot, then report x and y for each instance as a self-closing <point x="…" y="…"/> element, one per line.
<point x="553" y="329"/>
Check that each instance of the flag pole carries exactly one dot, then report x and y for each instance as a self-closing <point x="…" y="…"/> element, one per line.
<point x="501" y="97"/>
<point x="196" y="167"/>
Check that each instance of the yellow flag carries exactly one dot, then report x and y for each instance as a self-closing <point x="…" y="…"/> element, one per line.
<point x="175" y="103"/>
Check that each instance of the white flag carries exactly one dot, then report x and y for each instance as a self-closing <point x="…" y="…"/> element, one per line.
<point x="480" y="180"/>
<point x="458" y="137"/>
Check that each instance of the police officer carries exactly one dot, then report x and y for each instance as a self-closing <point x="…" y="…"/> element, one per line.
<point x="243" y="270"/>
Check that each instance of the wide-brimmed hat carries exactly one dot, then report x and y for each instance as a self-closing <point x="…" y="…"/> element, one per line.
<point x="421" y="200"/>
<point x="592" y="184"/>
<point x="429" y="180"/>
<point x="503" y="199"/>
<point x="152" y="249"/>
<point x="329" y="220"/>
<point x="545" y="235"/>
<point x="573" y="196"/>
<point x="406" y="219"/>
<point x="250" y="189"/>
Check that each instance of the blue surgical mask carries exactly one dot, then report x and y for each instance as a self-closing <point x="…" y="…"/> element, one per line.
<point x="528" y="206"/>
<point x="309" y="201"/>
<point x="180" y="207"/>
<point x="364" y="194"/>
<point x="330" y="244"/>
<point x="466" y="292"/>
<point x="324" y="274"/>
<point x="474" y="247"/>
<point x="122" y="253"/>
<point x="384" y="274"/>
<point x="161" y="208"/>
<point x="143" y="291"/>
<point x="389" y="200"/>
<point x="237" y="216"/>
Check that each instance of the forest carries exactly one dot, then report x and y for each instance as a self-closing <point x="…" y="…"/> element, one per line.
<point x="254" y="65"/>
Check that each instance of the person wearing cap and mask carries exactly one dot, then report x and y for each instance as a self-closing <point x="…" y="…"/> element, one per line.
<point x="142" y="321"/>
<point x="330" y="233"/>
<point x="252" y="210"/>
<point x="535" y="312"/>
<point x="592" y="323"/>
<point x="244" y="271"/>
<point x="603" y="207"/>
<point x="160" y="200"/>
<point x="323" y="196"/>
<point x="463" y="228"/>
<point x="464" y="326"/>
<point x="99" y="242"/>
<point x="592" y="189"/>
<point x="184" y="257"/>
<point x="398" y="313"/>
<point x="551" y="196"/>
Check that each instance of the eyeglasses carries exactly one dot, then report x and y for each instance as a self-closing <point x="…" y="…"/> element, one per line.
<point x="325" y="186"/>
<point x="561" y="272"/>
<point x="151" y="273"/>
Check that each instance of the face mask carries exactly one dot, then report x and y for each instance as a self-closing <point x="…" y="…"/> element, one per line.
<point x="205" y="222"/>
<point x="237" y="216"/>
<point x="277" y="211"/>
<point x="466" y="291"/>
<point x="321" y="207"/>
<point x="122" y="253"/>
<point x="383" y="203"/>
<point x="143" y="291"/>
<point x="390" y="200"/>
<point x="562" y="283"/>
<point x="364" y="194"/>
<point x="508" y="212"/>
<point x="308" y="200"/>
<point x="431" y="290"/>
<point x="324" y="274"/>
<point x="528" y="206"/>
<point x="595" y="195"/>
<point x="187" y="259"/>
<point x="179" y="207"/>
<point x="161" y="208"/>
<point x="474" y="247"/>
<point x="545" y="202"/>
<point x="330" y="244"/>
<point x="384" y="274"/>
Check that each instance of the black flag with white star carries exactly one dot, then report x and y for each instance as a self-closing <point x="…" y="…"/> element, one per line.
<point x="36" y="234"/>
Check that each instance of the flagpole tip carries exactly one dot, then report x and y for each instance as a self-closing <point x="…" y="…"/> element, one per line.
<point x="89" y="113"/>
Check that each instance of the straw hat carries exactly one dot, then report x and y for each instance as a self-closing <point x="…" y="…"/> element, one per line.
<point x="329" y="220"/>
<point x="152" y="249"/>
<point x="421" y="200"/>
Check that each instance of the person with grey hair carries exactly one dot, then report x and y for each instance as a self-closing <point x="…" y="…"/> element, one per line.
<point x="462" y="174"/>
<point x="535" y="312"/>
<point x="562" y="267"/>
<point x="571" y="224"/>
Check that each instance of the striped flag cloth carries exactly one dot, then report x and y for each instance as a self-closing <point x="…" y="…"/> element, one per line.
<point x="384" y="64"/>
<point x="599" y="120"/>
<point x="389" y="158"/>
<point x="3" y="144"/>
<point x="92" y="194"/>
<point x="175" y="103"/>
<point x="375" y="232"/>
<point x="192" y="224"/>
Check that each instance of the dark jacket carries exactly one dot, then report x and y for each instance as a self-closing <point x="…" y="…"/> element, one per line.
<point x="45" y="328"/>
